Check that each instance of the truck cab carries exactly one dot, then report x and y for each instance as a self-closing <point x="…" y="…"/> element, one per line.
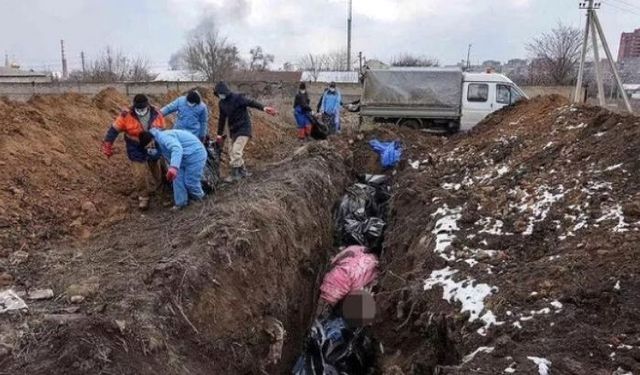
<point x="485" y="93"/>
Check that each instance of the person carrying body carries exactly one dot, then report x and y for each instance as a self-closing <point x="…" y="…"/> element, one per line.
<point x="192" y="114"/>
<point x="186" y="156"/>
<point x="234" y="112"/>
<point x="140" y="117"/>
<point x="302" y="112"/>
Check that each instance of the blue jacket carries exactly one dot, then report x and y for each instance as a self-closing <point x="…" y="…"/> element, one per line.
<point x="177" y="146"/>
<point x="193" y="119"/>
<point x="233" y="108"/>
<point x="331" y="102"/>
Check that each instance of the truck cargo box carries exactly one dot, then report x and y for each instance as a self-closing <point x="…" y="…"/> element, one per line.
<point x="412" y="92"/>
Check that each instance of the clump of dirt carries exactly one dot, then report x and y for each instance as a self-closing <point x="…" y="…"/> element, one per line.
<point x="198" y="291"/>
<point x="515" y="247"/>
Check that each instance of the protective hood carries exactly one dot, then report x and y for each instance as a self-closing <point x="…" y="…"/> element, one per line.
<point x="222" y="89"/>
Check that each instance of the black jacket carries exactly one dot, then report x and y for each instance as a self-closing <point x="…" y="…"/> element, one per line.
<point x="234" y="109"/>
<point x="303" y="101"/>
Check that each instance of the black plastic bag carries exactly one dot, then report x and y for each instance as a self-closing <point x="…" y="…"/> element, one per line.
<point x="319" y="130"/>
<point x="334" y="348"/>
<point x="368" y="233"/>
<point x="211" y="175"/>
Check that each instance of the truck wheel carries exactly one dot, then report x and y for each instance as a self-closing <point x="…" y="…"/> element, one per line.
<point x="411" y="123"/>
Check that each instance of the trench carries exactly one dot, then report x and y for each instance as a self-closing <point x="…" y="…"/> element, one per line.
<point x="429" y="335"/>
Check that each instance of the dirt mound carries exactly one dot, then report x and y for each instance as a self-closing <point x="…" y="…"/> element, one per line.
<point x="56" y="181"/>
<point x="204" y="290"/>
<point x="514" y="249"/>
<point x="110" y="100"/>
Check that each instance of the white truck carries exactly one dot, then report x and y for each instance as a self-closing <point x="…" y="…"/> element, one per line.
<point x="437" y="99"/>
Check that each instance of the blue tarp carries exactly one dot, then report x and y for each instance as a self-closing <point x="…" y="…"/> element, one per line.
<point x="390" y="152"/>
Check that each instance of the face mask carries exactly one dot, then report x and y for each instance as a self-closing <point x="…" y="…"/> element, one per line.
<point x="222" y="96"/>
<point x="303" y="91"/>
<point x="141" y="112"/>
<point x="153" y="152"/>
<point x="191" y="104"/>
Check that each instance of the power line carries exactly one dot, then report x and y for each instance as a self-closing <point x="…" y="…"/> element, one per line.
<point x="623" y="9"/>
<point x="632" y="6"/>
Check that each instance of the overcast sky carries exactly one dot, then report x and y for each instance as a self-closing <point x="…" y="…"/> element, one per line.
<point x="30" y="30"/>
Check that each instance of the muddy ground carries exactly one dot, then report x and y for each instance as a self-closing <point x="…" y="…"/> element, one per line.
<point x="527" y="225"/>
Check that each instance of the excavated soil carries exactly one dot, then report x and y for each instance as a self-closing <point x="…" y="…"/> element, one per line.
<point x="527" y="226"/>
<point x="513" y="249"/>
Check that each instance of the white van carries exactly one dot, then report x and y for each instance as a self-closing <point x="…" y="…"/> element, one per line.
<point x="441" y="100"/>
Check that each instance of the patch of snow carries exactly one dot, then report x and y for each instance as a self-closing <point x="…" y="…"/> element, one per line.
<point x="517" y="325"/>
<point x="451" y="186"/>
<point x="541" y="207"/>
<point x="623" y="346"/>
<point x="548" y="145"/>
<point x="542" y="363"/>
<point x="526" y="318"/>
<point x="533" y="294"/>
<point x="483" y="349"/>
<point x="414" y="164"/>
<point x="467" y="292"/>
<point x="617" y="286"/>
<point x="444" y="230"/>
<point x="580" y="126"/>
<point x="510" y="369"/>
<point x="615" y="213"/>
<point x="502" y="170"/>
<point x="10" y="301"/>
<point x="599" y="134"/>
<point x="557" y="304"/>
<point x="471" y="262"/>
<point x="613" y="167"/>
<point x="495" y="229"/>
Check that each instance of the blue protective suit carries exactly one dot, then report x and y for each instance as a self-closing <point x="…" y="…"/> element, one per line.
<point x="331" y="104"/>
<point x="185" y="152"/>
<point x="192" y="119"/>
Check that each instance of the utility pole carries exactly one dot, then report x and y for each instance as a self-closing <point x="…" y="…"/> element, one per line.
<point x="593" y="25"/>
<point x="360" y="61"/>
<point x="468" y="57"/>
<point x="65" y="73"/>
<point x="83" y="66"/>
<point x="349" y="35"/>
<point x="6" y="60"/>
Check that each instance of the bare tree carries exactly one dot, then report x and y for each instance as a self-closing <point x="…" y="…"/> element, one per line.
<point x="313" y="64"/>
<point x="259" y="60"/>
<point x="408" y="60"/>
<point x="210" y="53"/>
<point x="287" y="67"/>
<point x="114" y="66"/>
<point x="556" y="55"/>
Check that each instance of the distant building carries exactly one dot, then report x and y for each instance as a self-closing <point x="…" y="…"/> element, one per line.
<point x="494" y="65"/>
<point x="629" y="45"/>
<point x="14" y="75"/>
<point x="239" y="76"/>
<point x="338" y="77"/>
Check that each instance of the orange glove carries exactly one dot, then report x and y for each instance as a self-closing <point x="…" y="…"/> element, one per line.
<point x="107" y="149"/>
<point x="270" y="110"/>
<point x="172" y="174"/>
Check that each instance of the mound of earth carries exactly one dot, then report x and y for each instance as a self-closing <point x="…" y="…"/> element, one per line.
<point x="513" y="248"/>
<point x="55" y="180"/>
<point x="222" y="287"/>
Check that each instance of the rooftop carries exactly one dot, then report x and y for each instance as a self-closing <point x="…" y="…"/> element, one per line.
<point x="12" y="72"/>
